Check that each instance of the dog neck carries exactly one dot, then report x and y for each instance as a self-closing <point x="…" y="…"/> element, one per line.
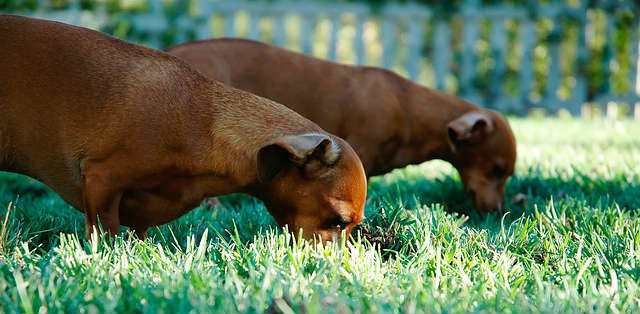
<point x="241" y="131"/>
<point x="428" y="114"/>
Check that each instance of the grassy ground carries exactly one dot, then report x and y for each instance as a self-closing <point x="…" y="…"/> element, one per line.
<point x="572" y="245"/>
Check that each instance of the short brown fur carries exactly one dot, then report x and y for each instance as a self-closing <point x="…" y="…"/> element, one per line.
<point x="133" y="136"/>
<point x="390" y="121"/>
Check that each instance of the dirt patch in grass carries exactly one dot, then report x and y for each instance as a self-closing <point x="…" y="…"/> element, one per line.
<point x="383" y="239"/>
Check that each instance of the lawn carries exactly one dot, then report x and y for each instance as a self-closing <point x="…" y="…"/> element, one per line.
<point x="571" y="244"/>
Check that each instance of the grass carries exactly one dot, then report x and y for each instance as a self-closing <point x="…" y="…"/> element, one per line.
<point x="571" y="244"/>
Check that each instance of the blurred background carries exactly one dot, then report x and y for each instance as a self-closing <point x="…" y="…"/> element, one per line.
<point x="568" y="57"/>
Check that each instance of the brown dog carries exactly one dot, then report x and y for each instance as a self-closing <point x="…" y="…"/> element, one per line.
<point x="390" y="121"/>
<point x="133" y="136"/>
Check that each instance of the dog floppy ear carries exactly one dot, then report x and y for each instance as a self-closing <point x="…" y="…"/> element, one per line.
<point x="471" y="127"/>
<point x="312" y="153"/>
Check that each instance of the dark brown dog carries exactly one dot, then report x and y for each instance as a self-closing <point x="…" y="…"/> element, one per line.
<point x="133" y="136"/>
<point x="390" y="121"/>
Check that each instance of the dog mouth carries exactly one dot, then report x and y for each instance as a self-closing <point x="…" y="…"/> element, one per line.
<point x="484" y="206"/>
<point x="498" y="208"/>
<point x="472" y="194"/>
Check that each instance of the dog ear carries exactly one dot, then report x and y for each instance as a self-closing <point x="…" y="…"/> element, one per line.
<point x="471" y="127"/>
<point x="312" y="153"/>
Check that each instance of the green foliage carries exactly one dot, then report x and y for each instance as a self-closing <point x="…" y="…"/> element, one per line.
<point x="605" y="62"/>
<point x="570" y="245"/>
<point x="18" y="6"/>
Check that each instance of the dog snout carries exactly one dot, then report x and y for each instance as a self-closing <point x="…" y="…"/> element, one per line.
<point x="472" y="193"/>
<point x="490" y="204"/>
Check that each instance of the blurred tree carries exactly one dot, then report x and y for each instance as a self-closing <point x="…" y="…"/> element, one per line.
<point x="607" y="67"/>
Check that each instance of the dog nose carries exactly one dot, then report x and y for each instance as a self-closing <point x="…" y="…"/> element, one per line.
<point x="486" y="201"/>
<point x="500" y="209"/>
<point x="493" y="207"/>
<point x="472" y="194"/>
<point x="487" y="204"/>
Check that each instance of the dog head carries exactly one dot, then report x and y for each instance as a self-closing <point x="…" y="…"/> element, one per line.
<point x="314" y="182"/>
<point x="484" y="154"/>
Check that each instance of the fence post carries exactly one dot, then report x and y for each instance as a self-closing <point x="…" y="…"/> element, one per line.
<point x="634" y="77"/>
<point x="358" y="39"/>
<point x="579" y="94"/>
<point x="157" y="12"/>
<point x="551" y="100"/>
<point x="498" y="42"/>
<point x="76" y="12"/>
<point x="469" y="38"/>
<point x="254" y="25"/>
<point x="441" y="53"/>
<point x="280" y="32"/>
<point x="607" y="58"/>
<point x="204" y="28"/>
<point x="306" y="33"/>
<point x="229" y="23"/>
<point x="388" y="46"/>
<point x="528" y="39"/>
<point x="184" y="22"/>
<point x="336" y="24"/>
<point x="415" y="34"/>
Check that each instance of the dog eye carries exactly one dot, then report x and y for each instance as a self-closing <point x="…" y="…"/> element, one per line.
<point x="338" y="223"/>
<point x="498" y="171"/>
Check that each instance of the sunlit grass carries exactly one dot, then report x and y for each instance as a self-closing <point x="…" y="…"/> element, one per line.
<point x="570" y="245"/>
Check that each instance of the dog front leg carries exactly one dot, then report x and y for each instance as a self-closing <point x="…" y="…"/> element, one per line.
<point x="101" y="203"/>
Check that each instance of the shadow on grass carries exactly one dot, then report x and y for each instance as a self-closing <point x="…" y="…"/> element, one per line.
<point x="40" y="215"/>
<point x="390" y="199"/>
<point x="537" y="191"/>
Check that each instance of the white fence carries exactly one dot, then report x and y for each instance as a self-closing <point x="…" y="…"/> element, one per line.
<point x="523" y="69"/>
